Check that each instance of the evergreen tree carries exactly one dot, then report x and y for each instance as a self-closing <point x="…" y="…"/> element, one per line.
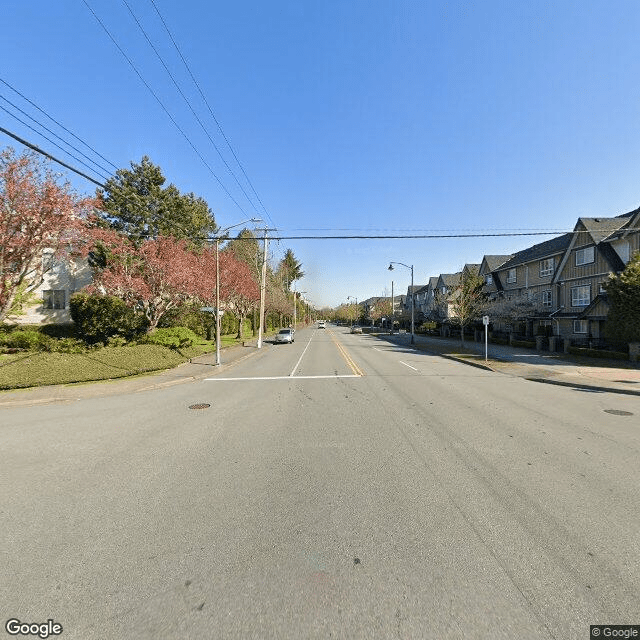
<point x="623" y="293"/>
<point x="136" y="204"/>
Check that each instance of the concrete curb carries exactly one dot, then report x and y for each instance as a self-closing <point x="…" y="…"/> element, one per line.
<point x="584" y="387"/>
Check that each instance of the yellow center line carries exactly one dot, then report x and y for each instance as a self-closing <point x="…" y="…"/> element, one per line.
<point x="348" y="359"/>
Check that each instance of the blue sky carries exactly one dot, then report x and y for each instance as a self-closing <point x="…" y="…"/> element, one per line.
<point x="354" y="117"/>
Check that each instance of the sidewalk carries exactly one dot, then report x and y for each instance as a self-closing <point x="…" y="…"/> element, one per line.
<point x="196" y="369"/>
<point x="593" y="374"/>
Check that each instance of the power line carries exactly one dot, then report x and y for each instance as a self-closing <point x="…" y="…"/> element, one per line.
<point x="419" y="237"/>
<point x="48" y="155"/>
<point x="184" y="97"/>
<point x="153" y="93"/>
<point x="52" y="142"/>
<point x="53" y="133"/>
<point x="195" y="82"/>
<point x="58" y="123"/>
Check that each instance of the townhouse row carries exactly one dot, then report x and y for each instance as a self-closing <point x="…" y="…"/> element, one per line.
<point x="554" y="287"/>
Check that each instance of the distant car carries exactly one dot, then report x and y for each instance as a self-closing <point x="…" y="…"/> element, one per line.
<point x="355" y="329"/>
<point x="285" y="335"/>
<point x="322" y="324"/>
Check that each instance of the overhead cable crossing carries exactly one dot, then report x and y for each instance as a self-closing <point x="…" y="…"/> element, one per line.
<point x="164" y="108"/>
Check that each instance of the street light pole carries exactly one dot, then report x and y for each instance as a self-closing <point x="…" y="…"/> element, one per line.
<point x="412" y="297"/>
<point x="218" y="238"/>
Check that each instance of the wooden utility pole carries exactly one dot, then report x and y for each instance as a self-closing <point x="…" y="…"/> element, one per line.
<point x="263" y="287"/>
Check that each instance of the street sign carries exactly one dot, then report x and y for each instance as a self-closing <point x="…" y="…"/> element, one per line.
<point x="485" y="320"/>
<point x="212" y="310"/>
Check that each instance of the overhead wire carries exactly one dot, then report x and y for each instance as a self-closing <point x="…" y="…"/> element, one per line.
<point x="48" y="155"/>
<point x="164" y="108"/>
<point x="184" y="97"/>
<point x="55" y="144"/>
<point x="206" y="102"/>
<point x="53" y="133"/>
<point x="56" y="122"/>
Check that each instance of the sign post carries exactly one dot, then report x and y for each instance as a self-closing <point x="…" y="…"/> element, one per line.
<point x="485" y="322"/>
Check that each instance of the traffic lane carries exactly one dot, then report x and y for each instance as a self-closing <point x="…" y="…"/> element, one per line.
<point x="541" y="484"/>
<point x="326" y="355"/>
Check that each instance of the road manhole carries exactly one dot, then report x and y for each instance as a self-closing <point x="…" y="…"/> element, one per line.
<point x="618" y="412"/>
<point x="199" y="406"/>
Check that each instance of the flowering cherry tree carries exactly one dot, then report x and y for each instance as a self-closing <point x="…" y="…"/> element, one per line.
<point x="36" y="214"/>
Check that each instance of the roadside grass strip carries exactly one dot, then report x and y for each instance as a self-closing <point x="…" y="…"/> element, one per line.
<point x="43" y="368"/>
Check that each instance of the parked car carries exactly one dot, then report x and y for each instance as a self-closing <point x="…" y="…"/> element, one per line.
<point x="356" y="329"/>
<point x="285" y="335"/>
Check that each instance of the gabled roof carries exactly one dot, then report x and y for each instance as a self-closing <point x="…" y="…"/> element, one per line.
<point x="474" y="269"/>
<point x="601" y="228"/>
<point x="495" y="261"/>
<point x="538" y="251"/>
<point x="450" y="280"/>
<point x="611" y="256"/>
<point x="433" y="282"/>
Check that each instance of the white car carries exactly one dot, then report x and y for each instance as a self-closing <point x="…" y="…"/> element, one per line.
<point x="285" y="336"/>
<point x="322" y="324"/>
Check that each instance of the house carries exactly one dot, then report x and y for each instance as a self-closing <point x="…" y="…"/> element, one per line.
<point x="525" y="282"/>
<point x="599" y="247"/>
<point x="488" y="272"/>
<point x="55" y="281"/>
<point x="444" y="291"/>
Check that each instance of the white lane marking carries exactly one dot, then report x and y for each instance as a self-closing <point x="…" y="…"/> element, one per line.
<point x="302" y="356"/>
<point x="282" y="378"/>
<point x="407" y="365"/>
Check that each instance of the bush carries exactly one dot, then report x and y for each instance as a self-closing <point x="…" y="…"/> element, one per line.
<point x="523" y="344"/>
<point x="172" y="337"/>
<point x="25" y="339"/>
<point x="98" y="318"/>
<point x="598" y="353"/>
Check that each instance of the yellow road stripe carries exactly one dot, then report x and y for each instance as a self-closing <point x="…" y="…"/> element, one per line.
<point x="348" y="359"/>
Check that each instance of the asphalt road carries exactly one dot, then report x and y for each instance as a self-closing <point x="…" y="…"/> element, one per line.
<point x="338" y="487"/>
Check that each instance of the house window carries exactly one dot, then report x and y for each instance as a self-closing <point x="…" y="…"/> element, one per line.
<point x="580" y="326"/>
<point x="488" y="279"/>
<point x="546" y="267"/>
<point x="54" y="299"/>
<point x="580" y="296"/>
<point x="511" y="275"/>
<point x="585" y="256"/>
<point x="601" y="288"/>
<point x="546" y="298"/>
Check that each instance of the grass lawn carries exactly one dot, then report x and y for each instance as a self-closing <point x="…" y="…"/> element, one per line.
<point x="40" y="368"/>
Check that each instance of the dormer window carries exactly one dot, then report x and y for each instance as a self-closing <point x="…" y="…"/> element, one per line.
<point x="546" y="267"/>
<point x="511" y="275"/>
<point x="488" y="279"/>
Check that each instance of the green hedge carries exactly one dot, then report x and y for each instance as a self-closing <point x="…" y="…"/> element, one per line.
<point x="171" y="337"/>
<point x="523" y="344"/>
<point x="598" y="353"/>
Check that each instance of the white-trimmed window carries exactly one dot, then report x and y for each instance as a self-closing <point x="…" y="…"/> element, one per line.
<point x="602" y="288"/>
<point x="546" y="267"/>
<point x="585" y="256"/>
<point x="511" y="275"/>
<point x="488" y="279"/>
<point x="54" y="299"/>
<point x="580" y="326"/>
<point x="547" y="300"/>
<point x="581" y="296"/>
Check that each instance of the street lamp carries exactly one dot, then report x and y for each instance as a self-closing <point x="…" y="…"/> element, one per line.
<point x="356" y="299"/>
<point x="219" y="237"/>
<point x="412" y="296"/>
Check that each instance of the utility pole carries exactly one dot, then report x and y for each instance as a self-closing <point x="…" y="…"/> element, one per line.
<point x="263" y="287"/>
<point x="392" y="309"/>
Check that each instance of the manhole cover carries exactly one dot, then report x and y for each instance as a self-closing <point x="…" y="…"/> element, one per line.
<point x="199" y="406"/>
<point x="618" y="412"/>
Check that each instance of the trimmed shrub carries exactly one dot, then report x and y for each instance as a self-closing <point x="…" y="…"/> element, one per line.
<point x="98" y="318"/>
<point x="523" y="344"/>
<point x="25" y="339"/>
<point x="172" y="337"/>
<point x="598" y="353"/>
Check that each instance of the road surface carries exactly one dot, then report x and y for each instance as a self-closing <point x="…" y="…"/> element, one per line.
<point x="337" y="487"/>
